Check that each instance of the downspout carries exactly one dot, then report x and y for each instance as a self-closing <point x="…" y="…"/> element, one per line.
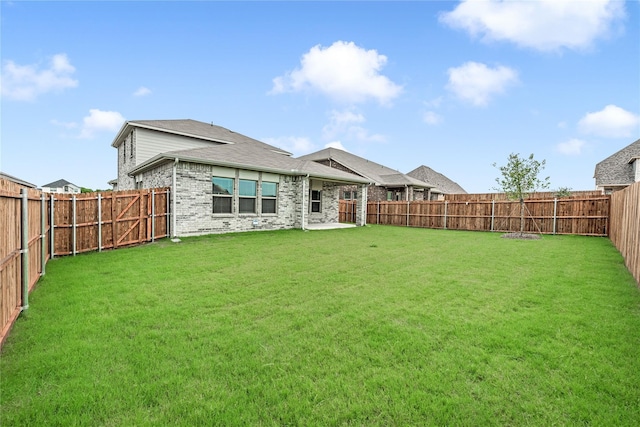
<point x="173" y="198"/>
<point x="304" y="180"/>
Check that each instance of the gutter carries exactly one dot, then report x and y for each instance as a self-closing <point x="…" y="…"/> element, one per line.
<point x="291" y="172"/>
<point x="304" y="192"/>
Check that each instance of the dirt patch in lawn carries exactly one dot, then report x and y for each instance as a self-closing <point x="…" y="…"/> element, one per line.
<point x="518" y="235"/>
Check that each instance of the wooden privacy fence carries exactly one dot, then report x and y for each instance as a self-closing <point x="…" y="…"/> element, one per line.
<point x="24" y="232"/>
<point x="625" y="226"/>
<point x="583" y="216"/>
<point x="97" y="221"/>
<point x="37" y="226"/>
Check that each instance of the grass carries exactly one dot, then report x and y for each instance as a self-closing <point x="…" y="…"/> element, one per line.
<point x="367" y="326"/>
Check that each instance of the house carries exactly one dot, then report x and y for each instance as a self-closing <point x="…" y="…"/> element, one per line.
<point x="61" y="186"/>
<point x="386" y="183"/>
<point x="222" y="181"/>
<point x="619" y="170"/>
<point x="17" y="181"/>
<point x="440" y="184"/>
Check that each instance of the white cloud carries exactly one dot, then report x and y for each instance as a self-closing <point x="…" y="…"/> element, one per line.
<point x="610" y="122"/>
<point x="343" y="72"/>
<point x="345" y="124"/>
<point x="336" y="144"/>
<point x="296" y="145"/>
<point x="27" y="82"/>
<point x="99" y="121"/>
<point x="142" y="91"/>
<point x="476" y="83"/>
<point x="432" y="118"/>
<point x="545" y="25"/>
<point x="572" y="147"/>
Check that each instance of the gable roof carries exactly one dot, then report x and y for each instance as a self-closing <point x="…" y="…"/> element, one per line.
<point x="617" y="169"/>
<point x="59" y="184"/>
<point x="437" y="180"/>
<point x="374" y="172"/>
<point x="192" y="129"/>
<point x="251" y="157"/>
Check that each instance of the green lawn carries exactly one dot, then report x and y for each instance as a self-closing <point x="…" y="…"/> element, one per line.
<point x="366" y="326"/>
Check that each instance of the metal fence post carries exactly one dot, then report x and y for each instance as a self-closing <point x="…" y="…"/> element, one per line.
<point x="51" y="226"/>
<point x="73" y="223"/>
<point x="445" y="214"/>
<point x="24" y="249"/>
<point x="43" y="234"/>
<point x="493" y="210"/>
<point x="555" y="210"/>
<point x="99" y="222"/>
<point x="407" y="213"/>
<point x="153" y="215"/>
<point x="166" y="215"/>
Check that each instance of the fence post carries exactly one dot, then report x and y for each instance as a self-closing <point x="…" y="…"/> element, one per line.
<point x="153" y="215"/>
<point x="24" y="249"/>
<point x="99" y="222"/>
<point x="166" y="215"/>
<point x="493" y="210"/>
<point x="407" y="213"/>
<point x="43" y="234"/>
<point x="445" y="213"/>
<point x="378" y="214"/>
<point x="555" y="210"/>
<point x="51" y="227"/>
<point x="73" y="223"/>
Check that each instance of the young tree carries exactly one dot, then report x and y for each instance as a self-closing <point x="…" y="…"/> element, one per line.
<point x="520" y="178"/>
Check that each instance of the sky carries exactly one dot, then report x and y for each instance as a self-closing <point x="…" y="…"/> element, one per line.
<point x="456" y="86"/>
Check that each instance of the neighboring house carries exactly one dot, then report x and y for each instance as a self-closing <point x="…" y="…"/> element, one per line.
<point x="440" y="184"/>
<point x="386" y="183"/>
<point x="18" y="181"/>
<point x="61" y="186"/>
<point x="223" y="181"/>
<point x="619" y="170"/>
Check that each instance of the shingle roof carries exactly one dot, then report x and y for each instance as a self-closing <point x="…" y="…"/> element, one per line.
<point x="437" y="180"/>
<point x="16" y="180"/>
<point x="251" y="157"/>
<point x="617" y="169"/>
<point x="59" y="184"/>
<point x="194" y="129"/>
<point x="375" y="172"/>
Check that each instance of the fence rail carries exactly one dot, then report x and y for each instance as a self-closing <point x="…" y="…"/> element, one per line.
<point x="583" y="216"/>
<point x="625" y="226"/>
<point x="36" y="226"/>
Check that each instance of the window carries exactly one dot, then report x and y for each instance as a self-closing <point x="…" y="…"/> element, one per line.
<point x="347" y="195"/>
<point x="222" y="195"/>
<point x="269" y="193"/>
<point x="316" y="204"/>
<point x="389" y="196"/>
<point x="247" y="199"/>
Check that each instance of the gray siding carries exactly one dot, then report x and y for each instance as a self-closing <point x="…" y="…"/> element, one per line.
<point x="150" y="143"/>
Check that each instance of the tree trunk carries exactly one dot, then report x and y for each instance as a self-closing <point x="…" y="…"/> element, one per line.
<point x="521" y="216"/>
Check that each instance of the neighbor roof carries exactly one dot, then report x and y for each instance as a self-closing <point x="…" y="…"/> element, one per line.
<point x="16" y="180"/>
<point x="374" y="172"/>
<point x="617" y="169"/>
<point x="193" y="129"/>
<point x="59" y="184"/>
<point x="437" y="180"/>
<point x="251" y="157"/>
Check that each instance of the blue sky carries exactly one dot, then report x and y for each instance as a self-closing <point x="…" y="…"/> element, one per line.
<point x="456" y="86"/>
